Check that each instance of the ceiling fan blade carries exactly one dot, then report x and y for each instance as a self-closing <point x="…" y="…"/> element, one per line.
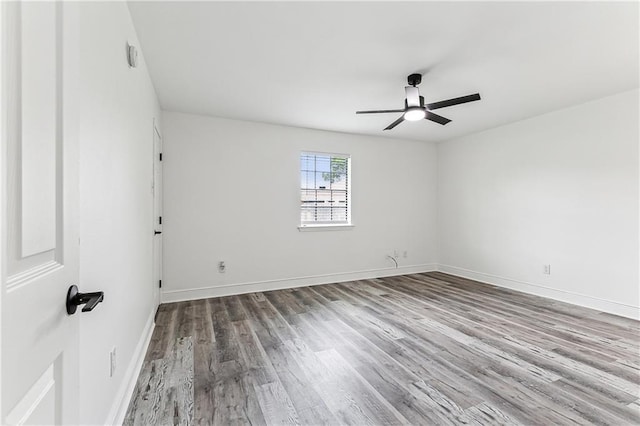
<point x="413" y="96"/>
<point x="380" y="111"/>
<point x="436" y="118"/>
<point x="395" y="123"/>
<point x="454" y="101"/>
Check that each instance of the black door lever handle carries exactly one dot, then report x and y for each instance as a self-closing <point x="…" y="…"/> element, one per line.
<point x="157" y="232"/>
<point x="89" y="300"/>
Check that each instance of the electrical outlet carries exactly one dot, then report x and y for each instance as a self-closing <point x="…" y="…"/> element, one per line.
<point x="222" y="267"/>
<point x="112" y="362"/>
<point x="395" y="254"/>
<point x="547" y="269"/>
<point x="404" y="254"/>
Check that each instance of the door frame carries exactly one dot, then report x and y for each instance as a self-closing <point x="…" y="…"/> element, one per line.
<point x="3" y="168"/>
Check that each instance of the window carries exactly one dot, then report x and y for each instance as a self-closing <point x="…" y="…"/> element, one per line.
<point x="325" y="189"/>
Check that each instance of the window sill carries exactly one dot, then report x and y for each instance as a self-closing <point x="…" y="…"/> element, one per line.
<point x="334" y="227"/>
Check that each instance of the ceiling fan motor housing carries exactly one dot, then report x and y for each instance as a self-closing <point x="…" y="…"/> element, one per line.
<point x="414" y="79"/>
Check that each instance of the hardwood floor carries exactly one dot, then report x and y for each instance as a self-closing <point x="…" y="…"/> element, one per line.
<point x="416" y="349"/>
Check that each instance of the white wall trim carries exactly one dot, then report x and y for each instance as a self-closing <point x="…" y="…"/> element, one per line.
<point x="122" y="398"/>
<point x="603" y="305"/>
<point x="257" y="286"/>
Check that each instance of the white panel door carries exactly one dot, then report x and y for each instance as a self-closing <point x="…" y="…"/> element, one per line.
<point x="39" y="234"/>
<point x="157" y="214"/>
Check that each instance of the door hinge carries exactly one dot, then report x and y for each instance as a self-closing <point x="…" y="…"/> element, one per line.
<point x="160" y="156"/>
<point x="160" y="220"/>
<point x="160" y="283"/>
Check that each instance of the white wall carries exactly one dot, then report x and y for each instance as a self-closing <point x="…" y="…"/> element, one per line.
<point x="117" y="112"/>
<point x="221" y="174"/>
<point x="558" y="189"/>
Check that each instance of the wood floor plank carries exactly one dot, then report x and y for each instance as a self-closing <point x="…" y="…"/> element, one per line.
<point x="226" y="344"/>
<point x="276" y="404"/>
<point x="497" y="355"/>
<point x="258" y="297"/>
<point x="392" y="380"/>
<point x="186" y="315"/>
<point x="235" y="398"/>
<point x="351" y="399"/>
<point x="147" y="403"/>
<point x="140" y="404"/>
<point x="234" y="308"/>
<point x="356" y="318"/>
<point x="164" y="393"/>
<point x="163" y="337"/>
<point x="486" y="414"/>
<point x="619" y="413"/>
<point x="306" y="325"/>
<point x="254" y="356"/>
<point x="179" y="383"/>
<point x="444" y="410"/>
<point x="451" y="384"/>
<point x="176" y="405"/>
<point x="308" y="299"/>
<point x="309" y="405"/>
<point x="204" y="371"/>
<point x="416" y="349"/>
<point x="203" y="325"/>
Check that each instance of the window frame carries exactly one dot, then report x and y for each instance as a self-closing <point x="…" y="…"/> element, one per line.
<point x="326" y="225"/>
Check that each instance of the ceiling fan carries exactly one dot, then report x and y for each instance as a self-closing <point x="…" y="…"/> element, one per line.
<point x="415" y="109"/>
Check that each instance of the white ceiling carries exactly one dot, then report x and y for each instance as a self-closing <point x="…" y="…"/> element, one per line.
<point x="313" y="64"/>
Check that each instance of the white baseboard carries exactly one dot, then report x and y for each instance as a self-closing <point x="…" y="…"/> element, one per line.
<point x="603" y="305"/>
<point x="251" y="287"/>
<point x="122" y="398"/>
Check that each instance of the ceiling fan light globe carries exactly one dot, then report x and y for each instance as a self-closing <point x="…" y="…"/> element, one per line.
<point x="414" y="114"/>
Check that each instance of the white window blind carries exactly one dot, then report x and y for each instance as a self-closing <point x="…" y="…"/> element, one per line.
<point x="325" y="189"/>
